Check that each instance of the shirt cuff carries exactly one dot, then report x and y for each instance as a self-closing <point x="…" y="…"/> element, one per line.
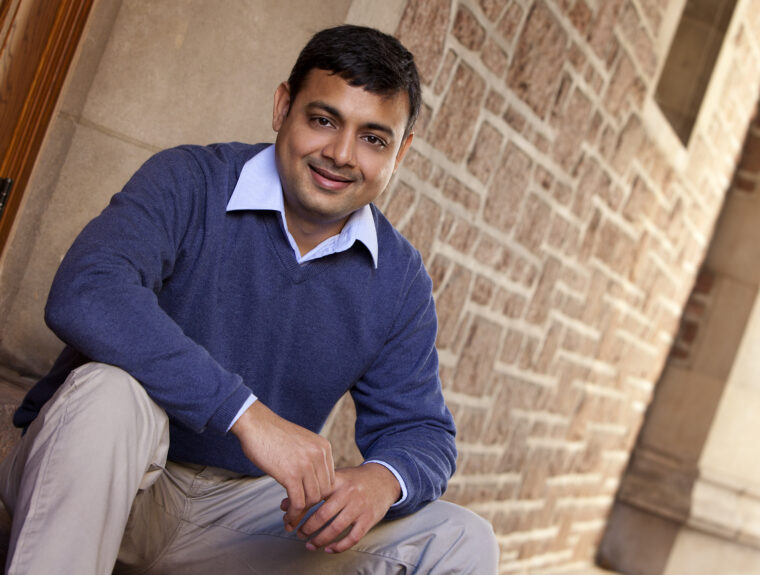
<point x="396" y="475"/>
<point x="248" y="403"/>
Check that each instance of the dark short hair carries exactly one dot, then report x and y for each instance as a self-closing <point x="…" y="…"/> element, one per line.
<point x="364" y="57"/>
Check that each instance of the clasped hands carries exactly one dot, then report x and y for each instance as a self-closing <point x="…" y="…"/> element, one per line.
<point x="355" y="498"/>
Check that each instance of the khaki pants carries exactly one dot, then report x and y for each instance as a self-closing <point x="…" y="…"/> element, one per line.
<point x="90" y="492"/>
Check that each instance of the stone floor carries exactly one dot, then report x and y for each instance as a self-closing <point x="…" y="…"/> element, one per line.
<point x="12" y="390"/>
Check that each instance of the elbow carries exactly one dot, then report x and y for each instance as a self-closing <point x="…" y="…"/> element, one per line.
<point x="63" y="312"/>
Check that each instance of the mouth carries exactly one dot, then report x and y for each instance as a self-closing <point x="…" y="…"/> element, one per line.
<point x="329" y="180"/>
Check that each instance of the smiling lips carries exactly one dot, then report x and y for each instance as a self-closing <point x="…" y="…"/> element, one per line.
<point x="329" y="180"/>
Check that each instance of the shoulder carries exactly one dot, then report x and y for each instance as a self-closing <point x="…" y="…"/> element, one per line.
<point x="213" y="157"/>
<point x="396" y="254"/>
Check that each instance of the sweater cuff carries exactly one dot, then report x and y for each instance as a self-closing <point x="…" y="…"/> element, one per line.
<point x="248" y="403"/>
<point x="225" y="416"/>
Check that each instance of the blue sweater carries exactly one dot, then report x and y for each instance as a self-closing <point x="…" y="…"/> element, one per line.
<point x="202" y="305"/>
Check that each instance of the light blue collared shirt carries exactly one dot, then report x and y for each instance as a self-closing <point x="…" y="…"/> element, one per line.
<point x="259" y="188"/>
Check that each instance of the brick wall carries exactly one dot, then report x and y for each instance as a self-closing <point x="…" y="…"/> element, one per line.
<point x="563" y="242"/>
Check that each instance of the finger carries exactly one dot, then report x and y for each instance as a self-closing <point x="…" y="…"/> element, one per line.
<point x="320" y="518"/>
<point x="284" y="504"/>
<point x="296" y="506"/>
<point x="330" y="464"/>
<point x="325" y="474"/>
<point x="337" y="528"/>
<point x="349" y="540"/>
<point x="312" y="489"/>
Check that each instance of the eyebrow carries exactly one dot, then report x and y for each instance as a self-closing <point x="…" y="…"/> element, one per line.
<point x="335" y="112"/>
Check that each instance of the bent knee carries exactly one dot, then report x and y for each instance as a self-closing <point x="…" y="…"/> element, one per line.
<point x="476" y="535"/>
<point x="113" y="394"/>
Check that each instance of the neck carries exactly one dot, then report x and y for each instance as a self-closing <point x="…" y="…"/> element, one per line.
<point x="309" y="235"/>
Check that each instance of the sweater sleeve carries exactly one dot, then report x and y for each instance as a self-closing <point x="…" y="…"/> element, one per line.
<point x="104" y="298"/>
<point x="402" y="418"/>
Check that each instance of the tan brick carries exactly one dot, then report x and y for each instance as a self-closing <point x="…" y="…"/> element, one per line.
<point x="534" y="223"/>
<point x="510" y="351"/>
<point x="475" y="368"/>
<point x="563" y="235"/>
<point x="438" y="269"/>
<point x="528" y="353"/>
<point x="641" y="202"/>
<point x="470" y="422"/>
<point x="594" y="182"/>
<point x="495" y="58"/>
<point x="463" y="236"/>
<point x="508" y="189"/>
<point x="581" y="16"/>
<point x="523" y="272"/>
<point x="421" y="228"/>
<point x="629" y="143"/>
<point x="468" y="30"/>
<point x="474" y="463"/>
<point x="602" y="36"/>
<point x="509" y="304"/>
<point x="633" y="30"/>
<point x="485" y="153"/>
<point x="563" y="193"/>
<point x="483" y="290"/>
<point x="492" y="8"/>
<point x="535" y="79"/>
<point x="488" y="250"/>
<point x="515" y="119"/>
<point x="400" y="202"/>
<point x="450" y="303"/>
<point x="539" y="305"/>
<point x="442" y="79"/>
<point x="456" y="191"/>
<point x="423" y="121"/>
<point x="653" y="11"/>
<point x="495" y="102"/>
<point x="454" y="125"/>
<point x="625" y="88"/>
<point x="432" y="16"/>
<point x="574" y="126"/>
<point x="419" y="164"/>
<point x="510" y="22"/>
<point x="576" y="57"/>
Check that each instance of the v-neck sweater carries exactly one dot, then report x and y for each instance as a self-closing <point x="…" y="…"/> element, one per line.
<point x="205" y="306"/>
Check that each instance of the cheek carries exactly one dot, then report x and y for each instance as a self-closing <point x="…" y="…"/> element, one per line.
<point x="376" y="169"/>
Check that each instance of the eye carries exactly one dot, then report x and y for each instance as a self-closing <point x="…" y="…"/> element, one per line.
<point x="321" y="121"/>
<point x="374" y="140"/>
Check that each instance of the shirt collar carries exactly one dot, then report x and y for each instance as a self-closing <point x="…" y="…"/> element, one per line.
<point x="259" y="188"/>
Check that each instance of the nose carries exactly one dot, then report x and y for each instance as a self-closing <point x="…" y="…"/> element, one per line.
<point x="341" y="149"/>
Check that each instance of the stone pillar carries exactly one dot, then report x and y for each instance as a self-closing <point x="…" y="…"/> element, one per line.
<point x="690" y="499"/>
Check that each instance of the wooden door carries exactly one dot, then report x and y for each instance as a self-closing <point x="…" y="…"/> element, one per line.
<point x="38" y="39"/>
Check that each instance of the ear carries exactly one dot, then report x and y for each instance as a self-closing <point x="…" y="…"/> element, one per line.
<point x="281" y="105"/>
<point x="402" y="151"/>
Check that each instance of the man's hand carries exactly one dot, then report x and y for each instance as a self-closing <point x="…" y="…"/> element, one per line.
<point x="299" y="460"/>
<point x="361" y="497"/>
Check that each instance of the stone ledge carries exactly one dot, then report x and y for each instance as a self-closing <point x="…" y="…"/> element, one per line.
<point x="704" y="499"/>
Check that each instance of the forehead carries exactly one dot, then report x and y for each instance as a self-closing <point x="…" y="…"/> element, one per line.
<point x="353" y="102"/>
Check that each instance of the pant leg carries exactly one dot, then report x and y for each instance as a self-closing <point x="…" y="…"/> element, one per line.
<point x="233" y="525"/>
<point x="71" y="481"/>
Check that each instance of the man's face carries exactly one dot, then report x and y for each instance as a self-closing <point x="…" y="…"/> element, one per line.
<point x="337" y="147"/>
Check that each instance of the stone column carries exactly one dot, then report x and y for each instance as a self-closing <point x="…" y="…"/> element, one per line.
<point x="690" y="499"/>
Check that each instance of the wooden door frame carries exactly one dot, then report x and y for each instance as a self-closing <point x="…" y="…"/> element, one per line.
<point x="41" y="98"/>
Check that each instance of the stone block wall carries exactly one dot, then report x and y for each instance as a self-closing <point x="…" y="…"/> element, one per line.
<point x="563" y="225"/>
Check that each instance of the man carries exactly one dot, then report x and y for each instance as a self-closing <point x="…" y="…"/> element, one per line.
<point x="214" y="313"/>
